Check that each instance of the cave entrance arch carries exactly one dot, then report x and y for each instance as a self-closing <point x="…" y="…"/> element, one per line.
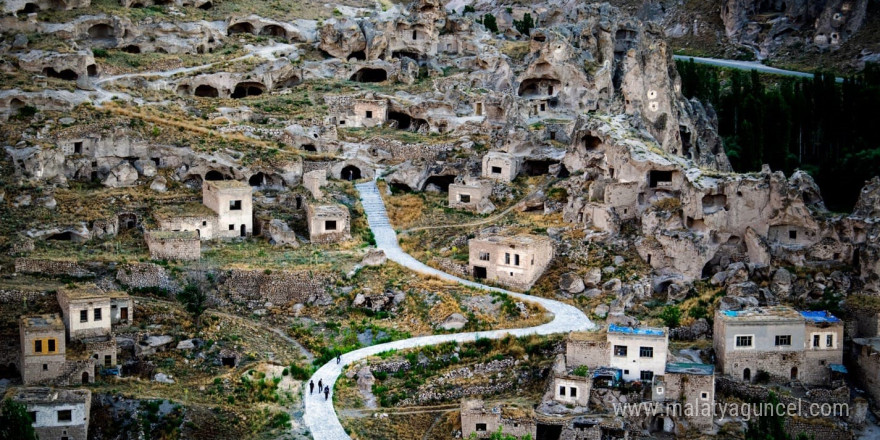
<point x="206" y="91"/>
<point x="350" y="172"/>
<point x="367" y="75"/>
<point x="244" y="89"/>
<point x="214" y="175"/>
<point x="101" y="31"/>
<point x="441" y="182"/>
<point x="240" y="28"/>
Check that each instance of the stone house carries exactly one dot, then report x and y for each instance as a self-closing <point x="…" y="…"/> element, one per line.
<point x="501" y="166"/>
<point x="233" y="202"/>
<point x="572" y="389"/>
<point x="481" y="422"/>
<point x="359" y="112"/>
<point x="174" y="245"/>
<point x="780" y="341"/>
<point x="472" y="196"/>
<point x="188" y="217"/>
<point x="516" y="261"/>
<point x="866" y="353"/>
<point x="57" y="413"/>
<point x="328" y="223"/>
<point x="640" y="352"/>
<point x="690" y="389"/>
<point x="313" y="181"/>
<point x="43" y="348"/>
<point x="86" y="311"/>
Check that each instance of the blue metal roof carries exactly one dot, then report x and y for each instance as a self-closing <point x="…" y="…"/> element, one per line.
<point x="690" y="368"/>
<point x="614" y="328"/>
<point x="838" y="368"/>
<point x="820" y="316"/>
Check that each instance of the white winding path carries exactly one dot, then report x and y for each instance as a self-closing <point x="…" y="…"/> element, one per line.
<point x="746" y="65"/>
<point x="320" y="416"/>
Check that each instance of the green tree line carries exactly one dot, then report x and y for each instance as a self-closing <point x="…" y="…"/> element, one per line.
<point x="815" y="124"/>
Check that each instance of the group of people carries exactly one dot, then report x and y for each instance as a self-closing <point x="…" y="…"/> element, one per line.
<point x="321" y="387"/>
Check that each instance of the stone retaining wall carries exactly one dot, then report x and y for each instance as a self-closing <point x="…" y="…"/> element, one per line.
<point x="51" y="267"/>
<point x="145" y="276"/>
<point x="261" y="289"/>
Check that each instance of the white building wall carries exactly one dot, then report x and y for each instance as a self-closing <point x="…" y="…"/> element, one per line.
<point x="633" y="364"/>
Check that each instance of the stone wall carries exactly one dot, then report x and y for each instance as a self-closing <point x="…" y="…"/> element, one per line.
<point x="449" y="266"/>
<point x="146" y="276"/>
<point x="52" y="267"/>
<point x="173" y="248"/>
<point x="817" y="429"/>
<point x="262" y="289"/>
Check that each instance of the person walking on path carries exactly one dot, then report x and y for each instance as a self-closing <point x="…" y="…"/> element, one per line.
<point x="338" y="359"/>
<point x="311" y="386"/>
<point x="327" y="392"/>
<point x="320" y="387"/>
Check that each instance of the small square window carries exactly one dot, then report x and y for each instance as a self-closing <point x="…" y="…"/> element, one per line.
<point x="783" y="340"/>
<point x="646" y="352"/>
<point x="704" y="395"/>
<point x="369" y="114"/>
<point x="97" y="314"/>
<point x="496" y="170"/>
<point x="792" y="234"/>
<point x="481" y="427"/>
<point x="573" y="392"/>
<point x="484" y="256"/>
<point x="65" y="415"/>
<point x="646" y="375"/>
<point x="235" y="205"/>
<point x="83" y="316"/>
<point x="32" y="415"/>
<point x="330" y="225"/>
<point x="231" y="227"/>
<point x="464" y="198"/>
<point x="341" y="122"/>
<point x="744" y="341"/>
<point x="561" y="391"/>
<point x="204" y="223"/>
<point x="620" y="350"/>
<point x="45" y="367"/>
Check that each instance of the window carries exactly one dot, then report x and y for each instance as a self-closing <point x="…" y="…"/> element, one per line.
<point x="415" y="35"/>
<point x="33" y="416"/>
<point x="341" y="122"/>
<point x="660" y="390"/>
<point x="783" y="340"/>
<point x="51" y="345"/>
<point x="484" y="256"/>
<point x="815" y="340"/>
<point x="561" y="391"/>
<point x="369" y="114"/>
<point x="83" y="316"/>
<point x="620" y="350"/>
<point x="464" y="198"/>
<point x="792" y="234"/>
<point x="496" y="170"/>
<point x="516" y="259"/>
<point x="704" y="395"/>
<point x="625" y="371"/>
<point x="65" y="415"/>
<point x="829" y="341"/>
<point x="646" y="375"/>
<point x="543" y="107"/>
<point x="231" y="227"/>
<point x="97" y="314"/>
<point x="646" y="352"/>
<point x="573" y="392"/>
<point x="45" y="367"/>
<point x="481" y="427"/>
<point x="204" y="223"/>
<point x="108" y="360"/>
<point x="77" y="147"/>
<point x="506" y="258"/>
<point x="330" y="225"/>
<point x="744" y="341"/>
<point x="38" y="346"/>
<point x="235" y="205"/>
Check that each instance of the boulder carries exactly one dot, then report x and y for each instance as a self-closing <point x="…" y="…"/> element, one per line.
<point x="159" y="184"/>
<point x="593" y="277"/>
<point x="121" y="175"/>
<point x="374" y="257"/>
<point x="147" y="168"/>
<point x="455" y="321"/>
<point x="341" y="37"/>
<point x="601" y="310"/>
<point x="571" y="283"/>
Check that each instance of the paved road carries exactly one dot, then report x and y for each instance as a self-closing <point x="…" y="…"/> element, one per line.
<point x="746" y="65"/>
<point x="320" y="416"/>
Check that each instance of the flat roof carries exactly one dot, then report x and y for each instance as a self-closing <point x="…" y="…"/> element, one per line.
<point x="91" y="291"/>
<point x="641" y="331"/>
<point x="597" y="336"/>
<point x="227" y="184"/>
<point x="45" y="395"/>
<point x="191" y="209"/>
<point x="773" y="313"/>
<point x="325" y="211"/>
<point x="49" y="321"/>
<point x="174" y="235"/>
<point x="515" y="240"/>
<point x="819" y="317"/>
<point x="690" y="368"/>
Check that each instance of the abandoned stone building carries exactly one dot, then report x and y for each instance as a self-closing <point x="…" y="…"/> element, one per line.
<point x="472" y="196"/>
<point x="788" y="345"/>
<point x="233" y="202"/>
<point x="174" y="245"/>
<point x="482" y="422"/>
<point x="571" y="386"/>
<point x="57" y="413"/>
<point x="313" y="181"/>
<point x="43" y="348"/>
<point x="516" y="261"/>
<point x="360" y="112"/>
<point x="188" y="217"/>
<point x="690" y="387"/>
<point x="86" y="311"/>
<point x="501" y="166"/>
<point x="328" y="223"/>
<point x="866" y="354"/>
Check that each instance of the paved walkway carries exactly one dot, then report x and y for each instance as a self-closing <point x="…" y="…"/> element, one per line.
<point x="320" y="416"/>
<point x="746" y="65"/>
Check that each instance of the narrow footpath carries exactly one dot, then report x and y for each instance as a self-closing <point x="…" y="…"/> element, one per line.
<point x="320" y="416"/>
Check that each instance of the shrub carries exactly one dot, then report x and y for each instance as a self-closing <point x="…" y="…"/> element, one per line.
<point x="582" y="371"/>
<point x="490" y="23"/>
<point x="99" y="53"/>
<point x="698" y="312"/>
<point x="525" y="25"/>
<point x="468" y="8"/>
<point x="671" y="316"/>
